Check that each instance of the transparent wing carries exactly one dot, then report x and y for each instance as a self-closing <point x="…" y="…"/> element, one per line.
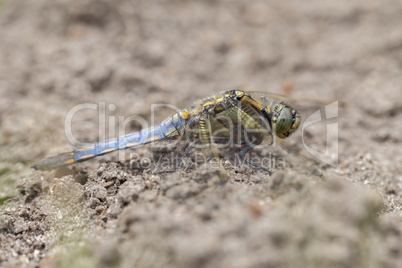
<point x="238" y="128"/>
<point x="235" y="121"/>
<point x="168" y="154"/>
<point x="261" y="96"/>
<point x="315" y="142"/>
<point x="231" y="126"/>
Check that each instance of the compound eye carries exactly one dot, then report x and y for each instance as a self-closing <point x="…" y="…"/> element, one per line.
<point x="285" y="121"/>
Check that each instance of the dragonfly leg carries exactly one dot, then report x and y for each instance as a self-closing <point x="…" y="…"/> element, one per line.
<point x="244" y="150"/>
<point x="188" y="149"/>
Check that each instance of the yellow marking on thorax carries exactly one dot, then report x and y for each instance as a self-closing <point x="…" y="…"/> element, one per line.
<point x="240" y="93"/>
<point x="219" y="99"/>
<point x="252" y="123"/>
<point x="209" y="102"/>
<point x="184" y="114"/>
<point x="268" y="109"/>
<point x="194" y="111"/>
<point x="253" y="102"/>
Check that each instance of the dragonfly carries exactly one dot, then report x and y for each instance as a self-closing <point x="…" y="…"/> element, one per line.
<point x="233" y="118"/>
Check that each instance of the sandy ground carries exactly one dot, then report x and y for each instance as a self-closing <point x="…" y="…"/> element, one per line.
<point x="57" y="54"/>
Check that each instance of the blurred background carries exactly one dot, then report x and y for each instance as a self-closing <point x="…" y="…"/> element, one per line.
<point x="57" y="54"/>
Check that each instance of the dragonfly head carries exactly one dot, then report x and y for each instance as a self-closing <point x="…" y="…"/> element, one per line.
<point x="285" y="120"/>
